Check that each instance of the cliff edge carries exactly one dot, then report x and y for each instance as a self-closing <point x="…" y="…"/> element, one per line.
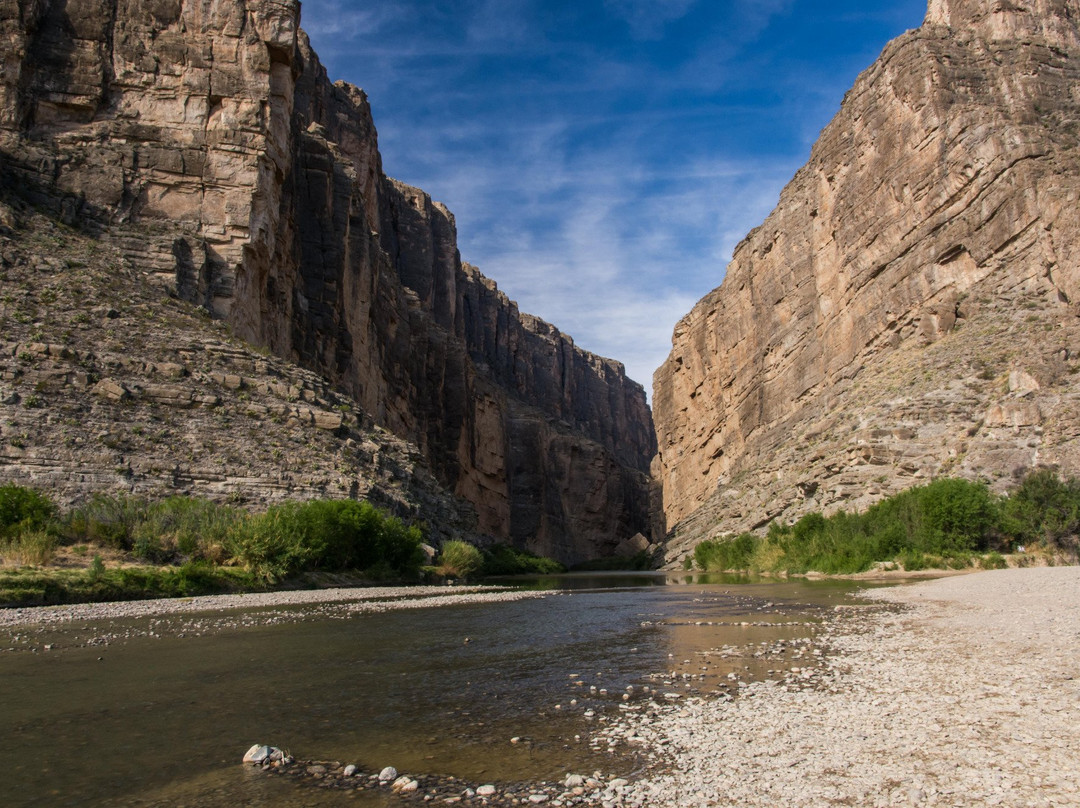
<point x="909" y="309"/>
<point x="205" y="143"/>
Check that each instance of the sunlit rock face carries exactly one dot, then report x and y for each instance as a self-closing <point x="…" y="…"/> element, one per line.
<point x="908" y="309"/>
<point x="207" y="141"/>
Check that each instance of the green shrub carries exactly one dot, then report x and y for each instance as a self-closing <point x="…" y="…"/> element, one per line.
<point x="110" y="521"/>
<point x="346" y="534"/>
<point x="271" y="545"/>
<point x="939" y="524"/>
<point x="913" y="560"/>
<point x="33" y="548"/>
<point x="459" y="559"/>
<point x="188" y="527"/>
<point x="944" y="517"/>
<point x="1044" y="509"/>
<point x="726" y="553"/>
<point x="23" y="509"/>
<point x="329" y="535"/>
<point x="503" y="559"/>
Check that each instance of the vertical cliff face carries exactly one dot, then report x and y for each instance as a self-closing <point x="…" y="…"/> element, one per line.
<point x="207" y="141"/>
<point x="907" y="309"/>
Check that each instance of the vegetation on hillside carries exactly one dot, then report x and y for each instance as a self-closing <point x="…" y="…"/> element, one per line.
<point x="198" y="546"/>
<point x="949" y="523"/>
<point x="184" y="546"/>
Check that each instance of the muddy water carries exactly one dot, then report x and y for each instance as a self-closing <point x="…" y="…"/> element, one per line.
<point x="163" y="719"/>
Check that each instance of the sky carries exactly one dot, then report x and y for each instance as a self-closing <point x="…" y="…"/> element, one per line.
<point x="603" y="158"/>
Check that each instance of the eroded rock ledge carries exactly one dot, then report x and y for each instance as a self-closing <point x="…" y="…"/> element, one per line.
<point x="908" y="309"/>
<point x="206" y="142"/>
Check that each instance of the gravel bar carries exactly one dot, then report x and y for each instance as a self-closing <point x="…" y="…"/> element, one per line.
<point x="955" y="692"/>
<point x="363" y="599"/>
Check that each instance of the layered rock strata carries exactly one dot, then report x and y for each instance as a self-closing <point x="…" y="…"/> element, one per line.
<point x="106" y="386"/>
<point x="908" y="309"/>
<point x="206" y="142"/>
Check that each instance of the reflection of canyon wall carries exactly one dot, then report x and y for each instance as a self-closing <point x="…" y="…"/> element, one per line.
<point x="907" y="309"/>
<point x="206" y="139"/>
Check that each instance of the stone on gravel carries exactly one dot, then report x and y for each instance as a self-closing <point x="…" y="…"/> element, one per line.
<point x="258" y="753"/>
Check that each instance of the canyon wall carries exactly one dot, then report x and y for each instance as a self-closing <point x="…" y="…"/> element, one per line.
<point x="205" y="141"/>
<point x="909" y="309"/>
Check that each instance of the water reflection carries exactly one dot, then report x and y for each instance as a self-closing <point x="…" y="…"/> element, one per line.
<point x="164" y="719"/>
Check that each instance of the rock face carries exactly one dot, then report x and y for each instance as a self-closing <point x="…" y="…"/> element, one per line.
<point x="206" y="142"/>
<point x="107" y="385"/>
<point x="909" y="308"/>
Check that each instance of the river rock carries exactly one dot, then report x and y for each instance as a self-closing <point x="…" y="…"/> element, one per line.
<point x="388" y="774"/>
<point x="258" y="754"/>
<point x="486" y="790"/>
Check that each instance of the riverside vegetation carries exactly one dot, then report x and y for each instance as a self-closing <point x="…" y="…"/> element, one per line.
<point x="948" y="523"/>
<point x="184" y="546"/>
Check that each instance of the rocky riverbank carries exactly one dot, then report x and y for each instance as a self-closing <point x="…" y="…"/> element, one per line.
<point x="368" y="599"/>
<point x="955" y="692"/>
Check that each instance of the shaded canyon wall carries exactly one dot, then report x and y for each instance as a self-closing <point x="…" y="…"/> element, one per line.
<point x="205" y="139"/>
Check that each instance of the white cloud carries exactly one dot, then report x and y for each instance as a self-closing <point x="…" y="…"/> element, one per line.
<point x="647" y="18"/>
<point x="601" y="193"/>
<point x="338" y="19"/>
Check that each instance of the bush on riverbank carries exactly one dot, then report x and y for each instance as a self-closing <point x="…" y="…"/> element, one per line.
<point x="199" y="539"/>
<point x="502" y="559"/>
<point x="329" y="535"/>
<point x="949" y="523"/>
<point x="459" y="559"/>
<point x="23" y="510"/>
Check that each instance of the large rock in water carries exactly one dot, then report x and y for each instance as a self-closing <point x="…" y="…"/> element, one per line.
<point x="206" y="140"/>
<point x="909" y="309"/>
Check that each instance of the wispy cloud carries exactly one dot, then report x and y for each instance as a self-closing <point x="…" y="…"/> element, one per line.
<point x="339" y="19"/>
<point x="647" y="18"/>
<point x="601" y="178"/>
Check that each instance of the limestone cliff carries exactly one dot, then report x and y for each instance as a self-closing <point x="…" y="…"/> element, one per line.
<point x="909" y="308"/>
<point x="205" y="141"/>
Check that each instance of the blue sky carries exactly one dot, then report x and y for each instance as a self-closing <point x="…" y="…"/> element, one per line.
<point x="603" y="157"/>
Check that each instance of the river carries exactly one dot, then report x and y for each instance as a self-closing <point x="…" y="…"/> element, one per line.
<point x="161" y="715"/>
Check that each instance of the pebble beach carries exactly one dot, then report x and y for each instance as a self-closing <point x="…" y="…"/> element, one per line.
<point x="368" y="599"/>
<point x="962" y="691"/>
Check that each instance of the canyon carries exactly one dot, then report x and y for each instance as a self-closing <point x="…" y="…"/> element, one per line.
<point x="909" y="309"/>
<point x="197" y="153"/>
<point x="212" y="286"/>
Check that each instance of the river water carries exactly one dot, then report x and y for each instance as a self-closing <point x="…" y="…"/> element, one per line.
<point x="162" y="714"/>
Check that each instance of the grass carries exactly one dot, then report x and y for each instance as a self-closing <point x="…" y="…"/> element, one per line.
<point x="28" y="586"/>
<point x="459" y="559"/>
<point x="32" y="547"/>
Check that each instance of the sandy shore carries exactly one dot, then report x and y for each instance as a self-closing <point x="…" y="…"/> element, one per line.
<point x="357" y="600"/>
<point x="956" y="692"/>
